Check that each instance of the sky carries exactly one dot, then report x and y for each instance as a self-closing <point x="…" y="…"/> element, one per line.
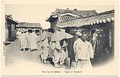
<point x="38" y="13"/>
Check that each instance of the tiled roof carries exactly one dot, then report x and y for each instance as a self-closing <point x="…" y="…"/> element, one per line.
<point x="81" y="13"/>
<point x="100" y="18"/>
<point x="23" y="24"/>
<point x="71" y="14"/>
<point x="66" y="18"/>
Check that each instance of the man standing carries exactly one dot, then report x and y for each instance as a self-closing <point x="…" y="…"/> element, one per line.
<point x="28" y="39"/>
<point x="33" y="44"/>
<point x="83" y="51"/>
<point x="23" y="40"/>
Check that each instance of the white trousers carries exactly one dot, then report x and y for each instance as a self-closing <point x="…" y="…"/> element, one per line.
<point x="56" y="56"/>
<point x="23" y="43"/>
<point x="44" y="54"/>
<point x="62" y="57"/>
<point x="84" y="64"/>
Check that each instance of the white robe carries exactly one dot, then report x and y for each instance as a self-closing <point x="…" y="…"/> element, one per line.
<point x="84" y="52"/>
<point x="28" y="40"/>
<point x="23" y="40"/>
<point x="33" y="44"/>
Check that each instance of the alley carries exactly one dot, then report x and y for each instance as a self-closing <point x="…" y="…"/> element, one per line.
<point x="14" y="55"/>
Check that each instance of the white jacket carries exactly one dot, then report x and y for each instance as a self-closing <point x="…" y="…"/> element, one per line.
<point x="83" y="50"/>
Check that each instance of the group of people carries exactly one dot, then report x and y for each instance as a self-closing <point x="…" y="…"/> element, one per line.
<point x="27" y="40"/>
<point x="53" y="51"/>
<point x="56" y="52"/>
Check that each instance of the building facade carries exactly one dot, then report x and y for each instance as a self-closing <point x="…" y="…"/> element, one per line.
<point x="29" y="26"/>
<point x="10" y="26"/>
<point x="88" y="22"/>
<point x="103" y="23"/>
<point x="65" y="15"/>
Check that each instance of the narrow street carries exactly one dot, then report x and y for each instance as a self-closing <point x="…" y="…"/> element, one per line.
<point x="14" y="55"/>
<point x="27" y="62"/>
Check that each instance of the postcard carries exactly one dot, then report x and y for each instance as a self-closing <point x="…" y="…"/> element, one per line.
<point x="59" y="37"/>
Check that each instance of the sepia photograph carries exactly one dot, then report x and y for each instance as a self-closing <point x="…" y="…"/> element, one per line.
<point x="55" y="38"/>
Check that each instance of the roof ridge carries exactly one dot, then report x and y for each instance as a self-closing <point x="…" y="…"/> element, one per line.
<point x="28" y="23"/>
<point x="75" y="10"/>
<point x="107" y="12"/>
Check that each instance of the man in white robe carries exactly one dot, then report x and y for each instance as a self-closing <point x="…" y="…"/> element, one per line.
<point x="83" y="52"/>
<point x="33" y="44"/>
<point x="28" y="39"/>
<point x="23" y="40"/>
